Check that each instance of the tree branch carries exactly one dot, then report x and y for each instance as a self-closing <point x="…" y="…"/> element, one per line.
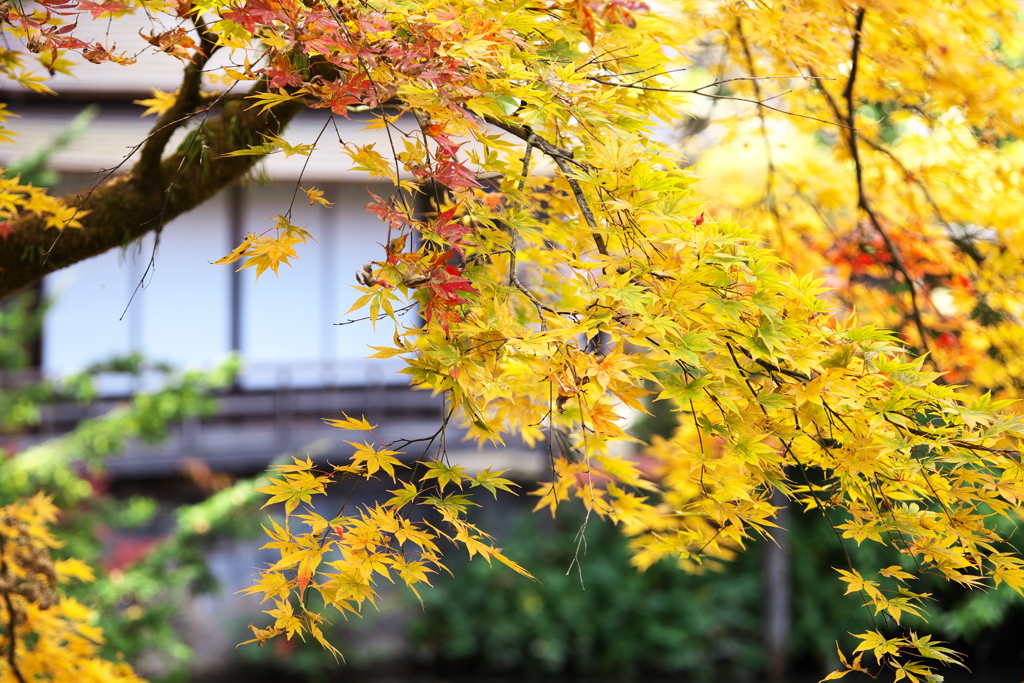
<point x="124" y="209"/>
<point x="858" y="29"/>
<point x="770" y="198"/>
<point x="12" y="662"/>
<point x="963" y="243"/>
<point x="147" y="170"/>
<point x="513" y="277"/>
<point x="862" y="200"/>
<point x="12" y="622"/>
<point x="561" y="157"/>
<point x="700" y="91"/>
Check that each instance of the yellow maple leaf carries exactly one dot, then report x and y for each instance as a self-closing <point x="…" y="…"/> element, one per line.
<point x="352" y="423"/>
<point x="376" y="460"/>
<point x="159" y="103"/>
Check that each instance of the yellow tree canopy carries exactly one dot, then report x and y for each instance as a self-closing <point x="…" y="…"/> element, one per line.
<point x="573" y="264"/>
<point x="45" y="635"/>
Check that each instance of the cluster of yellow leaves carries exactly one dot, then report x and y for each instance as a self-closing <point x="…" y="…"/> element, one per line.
<point x="266" y="250"/>
<point x="591" y="276"/>
<point x="275" y="143"/>
<point x="899" y="177"/>
<point x="621" y="287"/>
<point x="17" y="200"/>
<point x="44" y="635"/>
<point x="159" y="103"/>
<point x="891" y="651"/>
<point x="607" y="282"/>
<point x="333" y="562"/>
<point x="938" y="153"/>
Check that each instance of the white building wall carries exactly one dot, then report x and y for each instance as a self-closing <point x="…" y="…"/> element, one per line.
<point x="85" y="299"/>
<point x="184" y="305"/>
<point x="182" y="314"/>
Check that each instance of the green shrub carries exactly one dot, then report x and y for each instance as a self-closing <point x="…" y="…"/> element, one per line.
<point x="601" y="617"/>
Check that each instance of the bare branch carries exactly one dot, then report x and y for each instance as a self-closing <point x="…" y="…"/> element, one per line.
<point x="863" y="203"/>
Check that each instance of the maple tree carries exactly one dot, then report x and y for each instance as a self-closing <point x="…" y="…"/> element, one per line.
<point x="572" y="266"/>
<point x="896" y="169"/>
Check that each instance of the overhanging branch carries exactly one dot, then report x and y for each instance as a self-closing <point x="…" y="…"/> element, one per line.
<point x="124" y="209"/>
<point x="863" y="202"/>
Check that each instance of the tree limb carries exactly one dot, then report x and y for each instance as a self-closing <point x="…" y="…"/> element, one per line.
<point x="124" y="209"/>
<point x="147" y="170"/>
<point x="12" y="623"/>
<point x="863" y="203"/>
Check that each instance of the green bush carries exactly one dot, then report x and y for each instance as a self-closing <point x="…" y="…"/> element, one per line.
<point x="601" y="617"/>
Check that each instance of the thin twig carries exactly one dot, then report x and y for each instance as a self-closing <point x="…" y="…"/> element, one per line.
<point x="562" y="157"/>
<point x="513" y="277"/>
<point x="699" y="91"/>
<point x="158" y="231"/>
<point x="770" y="179"/>
<point x="959" y="443"/>
<point x="398" y="311"/>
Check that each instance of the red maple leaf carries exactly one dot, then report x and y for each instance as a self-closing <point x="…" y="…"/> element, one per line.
<point x="443" y="292"/>
<point x="388" y="212"/>
<point x="452" y="232"/>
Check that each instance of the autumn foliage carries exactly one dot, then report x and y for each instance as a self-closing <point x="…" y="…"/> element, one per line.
<point x="897" y="168"/>
<point x="45" y="635"/>
<point x="572" y="267"/>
